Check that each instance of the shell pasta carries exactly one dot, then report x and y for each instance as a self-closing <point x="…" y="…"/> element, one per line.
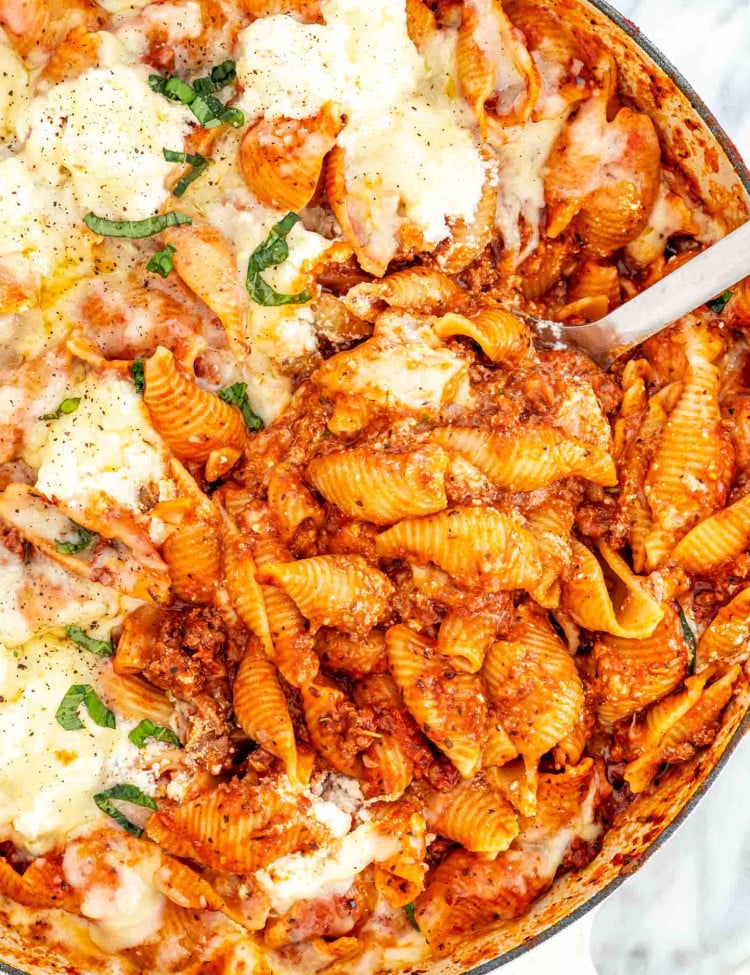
<point x="341" y="615"/>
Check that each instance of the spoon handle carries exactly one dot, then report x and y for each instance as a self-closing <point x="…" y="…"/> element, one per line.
<point x="710" y="273"/>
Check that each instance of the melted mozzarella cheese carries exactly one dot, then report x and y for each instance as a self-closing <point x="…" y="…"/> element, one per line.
<point x="119" y="896"/>
<point x="13" y="89"/>
<point x="521" y="186"/>
<point x="39" y="595"/>
<point x="106" y="447"/>
<point x="48" y="776"/>
<point x="107" y="129"/>
<point x="382" y="88"/>
<point x="326" y="872"/>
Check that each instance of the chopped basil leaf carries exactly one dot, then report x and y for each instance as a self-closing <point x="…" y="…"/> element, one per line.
<point x="135" y="229"/>
<point x="236" y="395"/>
<point x="409" y="912"/>
<point x="101" y="647"/>
<point x="76" y="695"/>
<point x="67" y="406"/>
<point x="84" y="539"/>
<point x="147" y="729"/>
<point x="689" y="637"/>
<point x="139" y="380"/>
<point x="221" y="75"/>
<point x="273" y="251"/>
<point x="199" y="97"/>
<point x="123" y="793"/>
<point x="161" y="262"/>
<point x="717" y="305"/>
<point x="194" y="159"/>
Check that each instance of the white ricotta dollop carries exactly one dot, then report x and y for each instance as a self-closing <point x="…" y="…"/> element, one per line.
<point x="405" y="134"/>
<point x="48" y="776"/>
<point x="107" y="130"/>
<point x="106" y="447"/>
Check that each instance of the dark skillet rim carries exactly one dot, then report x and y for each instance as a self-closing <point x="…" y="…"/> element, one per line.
<point x="743" y="174"/>
<point x="740" y="168"/>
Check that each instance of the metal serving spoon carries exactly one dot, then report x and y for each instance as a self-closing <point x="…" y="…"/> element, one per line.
<point x="708" y="274"/>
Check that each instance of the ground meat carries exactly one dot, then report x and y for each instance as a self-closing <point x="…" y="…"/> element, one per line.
<point x="188" y="656"/>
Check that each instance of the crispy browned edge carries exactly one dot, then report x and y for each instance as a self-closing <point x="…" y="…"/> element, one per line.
<point x="693" y="141"/>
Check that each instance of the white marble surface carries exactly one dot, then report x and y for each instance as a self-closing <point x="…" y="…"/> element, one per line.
<point x="688" y="910"/>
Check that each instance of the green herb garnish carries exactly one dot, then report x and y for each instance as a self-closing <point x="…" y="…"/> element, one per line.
<point x="83" y="540"/>
<point x="194" y="159"/>
<point x="76" y="695"/>
<point x="135" y="229"/>
<point x="717" y="305"/>
<point x="221" y="75"/>
<point x="199" y="96"/>
<point x="161" y="264"/>
<point x="136" y="374"/>
<point x="67" y="406"/>
<point x="689" y="637"/>
<point x="102" y="648"/>
<point x="236" y="395"/>
<point x="273" y="251"/>
<point x="147" y="729"/>
<point x="123" y="793"/>
<point x="409" y="912"/>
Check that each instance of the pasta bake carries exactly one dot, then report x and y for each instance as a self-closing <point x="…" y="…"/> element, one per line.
<point x="339" y="615"/>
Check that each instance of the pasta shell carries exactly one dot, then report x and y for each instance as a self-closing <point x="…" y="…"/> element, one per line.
<point x="422" y="289"/>
<point x="403" y="369"/>
<point x="368" y="227"/>
<point x="630" y="611"/>
<point x="205" y="262"/>
<point x="186" y="888"/>
<point x="479" y="547"/>
<point x="78" y="51"/>
<point x="517" y="781"/>
<point x="356" y="656"/>
<point x="609" y="194"/>
<point x="498" y="748"/>
<point x="261" y="708"/>
<point x="464" y="637"/>
<point x="400" y="878"/>
<point x="35" y="890"/>
<point x="282" y="158"/>
<point x="193" y="551"/>
<point x="469" y="239"/>
<point x="134" y="698"/>
<point x="689" y="728"/>
<point x="727" y="639"/>
<point x="528" y="460"/>
<point x="233" y="828"/>
<point x="500" y="335"/>
<point x="690" y="472"/>
<point x="534" y="684"/>
<point x="292" y="643"/>
<point x="291" y="502"/>
<point x="450" y="708"/>
<point x="420" y="22"/>
<point x="474" y="814"/>
<point x="631" y="674"/>
<point x="243" y="588"/>
<point x="192" y="421"/>
<point x="496" y="73"/>
<point x="332" y="720"/>
<point x="716" y="540"/>
<point x="387" y="770"/>
<point x="334" y="590"/>
<point x="41" y="524"/>
<point x="379" y="486"/>
<point x="634" y="467"/>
